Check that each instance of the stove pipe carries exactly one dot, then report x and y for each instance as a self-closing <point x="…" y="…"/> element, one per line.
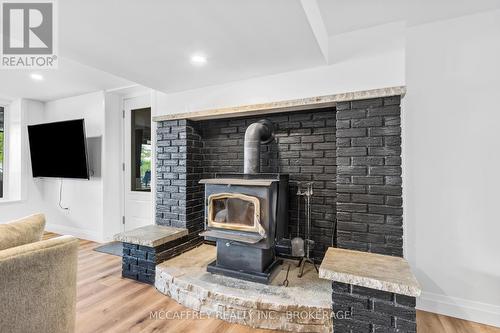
<point x="256" y="134"/>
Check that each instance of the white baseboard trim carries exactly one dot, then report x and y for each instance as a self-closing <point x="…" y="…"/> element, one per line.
<point x="79" y="233"/>
<point x="483" y="313"/>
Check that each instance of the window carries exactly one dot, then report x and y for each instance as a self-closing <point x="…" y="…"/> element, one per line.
<point x="2" y="149"/>
<point x="141" y="150"/>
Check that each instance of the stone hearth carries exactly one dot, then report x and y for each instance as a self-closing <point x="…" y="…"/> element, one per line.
<point x="303" y="306"/>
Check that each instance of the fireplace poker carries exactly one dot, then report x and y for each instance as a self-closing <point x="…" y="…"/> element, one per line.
<point x="285" y="283"/>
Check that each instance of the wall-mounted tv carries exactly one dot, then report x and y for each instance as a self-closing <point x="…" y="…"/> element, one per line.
<point x="59" y="149"/>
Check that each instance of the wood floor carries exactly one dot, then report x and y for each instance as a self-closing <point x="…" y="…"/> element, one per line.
<point x="108" y="303"/>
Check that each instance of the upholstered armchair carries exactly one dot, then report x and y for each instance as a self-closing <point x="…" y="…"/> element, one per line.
<point x="37" y="278"/>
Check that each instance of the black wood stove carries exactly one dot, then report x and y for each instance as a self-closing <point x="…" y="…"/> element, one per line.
<point x="246" y="214"/>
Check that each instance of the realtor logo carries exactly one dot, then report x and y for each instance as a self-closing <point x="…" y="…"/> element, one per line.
<point x="28" y="35"/>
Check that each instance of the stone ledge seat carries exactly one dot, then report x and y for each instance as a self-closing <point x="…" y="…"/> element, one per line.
<point x="370" y="270"/>
<point x="151" y="235"/>
<point x="378" y="290"/>
<point x="148" y="246"/>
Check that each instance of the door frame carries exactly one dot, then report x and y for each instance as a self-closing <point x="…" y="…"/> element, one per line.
<point x="129" y="103"/>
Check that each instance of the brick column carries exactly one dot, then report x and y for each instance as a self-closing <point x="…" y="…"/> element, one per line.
<point x="369" y="202"/>
<point x="179" y="197"/>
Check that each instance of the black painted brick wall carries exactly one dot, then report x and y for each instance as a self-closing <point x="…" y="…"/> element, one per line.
<point x="353" y="155"/>
<point x="304" y="148"/>
<point x="138" y="263"/>
<point x="179" y="197"/>
<point x="372" y="311"/>
<point x="369" y="201"/>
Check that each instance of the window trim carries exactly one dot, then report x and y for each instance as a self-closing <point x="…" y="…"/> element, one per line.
<point x="5" y="175"/>
<point x="133" y="161"/>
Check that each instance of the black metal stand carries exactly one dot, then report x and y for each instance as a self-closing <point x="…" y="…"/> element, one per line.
<point x="302" y="264"/>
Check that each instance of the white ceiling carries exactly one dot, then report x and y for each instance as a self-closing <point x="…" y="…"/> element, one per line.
<point x="70" y="79"/>
<point x="149" y="42"/>
<point x="342" y="16"/>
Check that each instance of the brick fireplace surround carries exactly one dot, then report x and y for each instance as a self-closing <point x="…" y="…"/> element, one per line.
<point x="352" y="153"/>
<point x="350" y="149"/>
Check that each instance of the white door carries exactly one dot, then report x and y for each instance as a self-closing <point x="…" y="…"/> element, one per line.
<point x="137" y="162"/>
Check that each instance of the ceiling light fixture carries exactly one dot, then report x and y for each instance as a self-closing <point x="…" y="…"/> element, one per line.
<point x="36" y="77"/>
<point x="198" y="59"/>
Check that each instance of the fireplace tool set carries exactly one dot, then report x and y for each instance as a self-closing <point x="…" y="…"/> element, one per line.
<point x="298" y="242"/>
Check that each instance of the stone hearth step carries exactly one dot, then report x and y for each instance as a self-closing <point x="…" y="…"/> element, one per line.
<point x="145" y="247"/>
<point x="303" y="306"/>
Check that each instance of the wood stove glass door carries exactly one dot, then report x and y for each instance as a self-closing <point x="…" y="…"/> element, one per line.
<point x="234" y="211"/>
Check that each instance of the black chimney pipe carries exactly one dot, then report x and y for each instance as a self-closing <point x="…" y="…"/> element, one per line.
<point x="256" y="134"/>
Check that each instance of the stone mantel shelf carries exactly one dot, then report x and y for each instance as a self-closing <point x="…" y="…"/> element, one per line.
<point x="284" y="106"/>
<point x="370" y="270"/>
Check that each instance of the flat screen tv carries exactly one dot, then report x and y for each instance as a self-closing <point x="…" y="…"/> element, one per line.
<point x="59" y="149"/>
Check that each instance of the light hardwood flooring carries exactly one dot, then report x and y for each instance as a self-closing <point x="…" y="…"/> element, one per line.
<point x="108" y="303"/>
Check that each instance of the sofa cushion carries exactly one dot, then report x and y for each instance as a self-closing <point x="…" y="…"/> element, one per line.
<point x="23" y="231"/>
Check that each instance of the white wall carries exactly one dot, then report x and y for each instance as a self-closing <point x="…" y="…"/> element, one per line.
<point x="377" y="70"/>
<point x="83" y="197"/>
<point x="451" y="153"/>
<point x="112" y="167"/>
<point x="95" y="206"/>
